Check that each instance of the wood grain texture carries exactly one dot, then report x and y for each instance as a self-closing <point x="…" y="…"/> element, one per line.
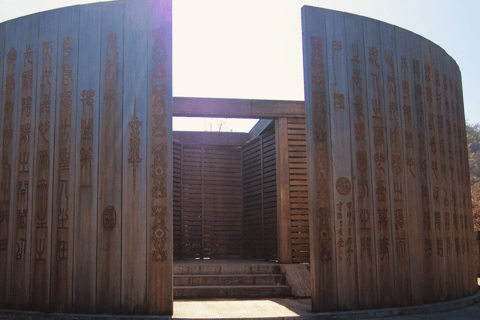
<point x="412" y="190"/>
<point x="86" y="171"/>
<point x="378" y="112"/>
<point x="319" y="159"/>
<point x="44" y="155"/>
<point x="159" y="159"/>
<point x="3" y="213"/>
<point x="342" y="176"/>
<point x="399" y="217"/>
<point x="110" y="211"/>
<point x="134" y="220"/>
<point x="283" y="193"/>
<point x="361" y="165"/>
<point x="64" y="160"/>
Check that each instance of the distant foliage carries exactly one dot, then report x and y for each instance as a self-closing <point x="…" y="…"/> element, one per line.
<point x="473" y="140"/>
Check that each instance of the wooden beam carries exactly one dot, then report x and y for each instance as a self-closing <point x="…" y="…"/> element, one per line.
<point x="284" y="232"/>
<point x="259" y="127"/>
<point x="236" y="108"/>
<point x="211" y="138"/>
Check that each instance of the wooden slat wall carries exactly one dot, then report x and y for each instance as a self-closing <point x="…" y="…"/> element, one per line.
<point x="191" y="205"/>
<point x="253" y="241"/>
<point x="260" y="198"/>
<point x="210" y="200"/>
<point x="177" y="200"/>
<point x="270" y="195"/>
<point x="222" y="202"/>
<point x="299" y="213"/>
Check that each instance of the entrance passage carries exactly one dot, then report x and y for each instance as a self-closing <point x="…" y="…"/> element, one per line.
<point x="242" y="195"/>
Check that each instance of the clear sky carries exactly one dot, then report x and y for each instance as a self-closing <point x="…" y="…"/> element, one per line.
<point x="252" y="49"/>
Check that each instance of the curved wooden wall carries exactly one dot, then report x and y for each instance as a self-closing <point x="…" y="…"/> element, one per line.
<point x="391" y="221"/>
<point x="85" y="216"/>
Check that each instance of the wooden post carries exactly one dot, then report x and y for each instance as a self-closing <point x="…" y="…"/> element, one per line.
<point x="284" y="236"/>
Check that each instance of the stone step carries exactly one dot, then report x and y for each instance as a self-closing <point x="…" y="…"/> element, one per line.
<point x="226" y="269"/>
<point x="191" y="292"/>
<point x="226" y="280"/>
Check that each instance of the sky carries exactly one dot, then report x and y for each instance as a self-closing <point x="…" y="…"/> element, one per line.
<point x="252" y="49"/>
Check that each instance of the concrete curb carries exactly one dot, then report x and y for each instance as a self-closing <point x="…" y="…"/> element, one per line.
<point x="358" y="314"/>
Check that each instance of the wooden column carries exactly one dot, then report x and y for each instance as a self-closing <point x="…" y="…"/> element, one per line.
<point x="284" y="236"/>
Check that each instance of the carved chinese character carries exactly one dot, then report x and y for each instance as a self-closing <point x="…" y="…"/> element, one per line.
<point x="427" y="73"/>
<point x="363" y="185"/>
<point x="379" y="161"/>
<point x="359" y="106"/>
<point x="339" y="100"/>
<point x="407" y="111"/>
<point x="381" y="191"/>
<point x="378" y="136"/>
<point x="383" y="218"/>
<point x="357" y="80"/>
<point x="373" y="58"/>
<point x="440" y="247"/>
<point x="399" y="219"/>
<point x="438" y="220"/>
<point x="361" y="160"/>
<point x="359" y="132"/>
<point x="411" y="163"/>
<point x="384" y="250"/>
<point x="397" y="164"/>
<point x="355" y="58"/>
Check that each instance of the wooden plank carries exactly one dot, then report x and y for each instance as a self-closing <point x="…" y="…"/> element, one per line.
<point x="317" y="104"/>
<point x="159" y="151"/>
<point x="9" y="114"/>
<point x="236" y="108"/>
<point x="432" y="146"/>
<point x="444" y="191"/>
<point x="418" y="110"/>
<point x="4" y="210"/>
<point x="399" y="220"/>
<point x="86" y="138"/>
<point x="134" y="219"/>
<point x="24" y="163"/>
<point x="412" y="190"/>
<point x="40" y="275"/>
<point x="378" y="110"/>
<point x="110" y="211"/>
<point x="64" y="161"/>
<point x="211" y="138"/>
<point x="340" y="123"/>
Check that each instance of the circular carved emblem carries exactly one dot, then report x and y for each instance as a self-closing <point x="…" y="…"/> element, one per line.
<point x="109" y="218"/>
<point x="343" y="186"/>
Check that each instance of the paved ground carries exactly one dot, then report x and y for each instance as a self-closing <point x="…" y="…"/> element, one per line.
<point x="287" y="308"/>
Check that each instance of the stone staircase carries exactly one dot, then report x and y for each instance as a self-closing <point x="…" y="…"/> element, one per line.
<point x="254" y="281"/>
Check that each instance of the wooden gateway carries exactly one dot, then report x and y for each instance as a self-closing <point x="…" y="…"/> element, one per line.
<point x="98" y="196"/>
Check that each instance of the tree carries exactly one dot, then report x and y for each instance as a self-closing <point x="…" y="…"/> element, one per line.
<point x="473" y="141"/>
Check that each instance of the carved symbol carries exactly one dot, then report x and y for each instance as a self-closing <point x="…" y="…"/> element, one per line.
<point x="411" y="163"/>
<point x="377" y="111"/>
<point x="373" y="58"/>
<point x="379" y="161"/>
<point x="378" y="136"/>
<point x="87" y="99"/>
<point x="25" y="133"/>
<point x="357" y="80"/>
<point x="343" y="186"/>
<point x="381" y="191"/>
<point x="428" y="247"/>
<point x="24" y="157"/>
<point x="359" y="106"/>
<point x="355" y="58"/>
<point x="87" y="129"/>
<point x="395" y="137"/>
<point x="21" y="219"/>
<point x="43" y="129"/>
<point x="27" y="106"/>
<point x="393" y="111"/>
<point x="384" y="250"/>
<point x="359" y="132"/>
<point x="20" y="249"/>
<point x="427" y="222"/>
<point x="7" y="137"/>
<point x="135" y="142"/>
<point x="63" y="200"/>
<point x="383" y="218"/>
<point x="109" y="218"/>
<point x="404" y="65"/>
<point x="400" y="247"/>
<point x="364" y="217"/>
<point x="42" y="202"/>
<point x="399" y="219"/>
<point x="440" y="247"/>
<point x="86" y="157"/>
<point x="66" y="100"/>
<point x="363" y="189"/>
<point x="65" y="131"/>
<point x="361" y="160"/>
<point x="40" y="248"/>
<point x="366" y="246"/>
<point x="339" y="100"/>
<point x="62" y="249"/>
<point x="438" y="220"/>
<point x="397" y="164"/>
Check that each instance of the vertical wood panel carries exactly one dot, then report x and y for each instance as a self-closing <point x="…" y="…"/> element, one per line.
<point x="64" y="160"/>
<point x="361" y="165"/>
<point x="432" y="149"/>
<point x="317" y="105"/>
<point x="411" y="188"/>
<point x="12" y="85"/>
<point x="445" y="191"/>
<point x="283" y="193"/>
<point x="342" y="176"/>
<point x="177" y="200"/>
<point x="378" y="112"/>
<point x="23" y="178"/>
<point x="395" y="150"/>
<point x="44" y="155"/>
<point x="110" y="211"/>
<point x="86" y="139"/>
<point x="3" y="213"/>
<point x="159" y="159"/>
<point x="423" y="180"/>
<point x="134" y="255"/>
